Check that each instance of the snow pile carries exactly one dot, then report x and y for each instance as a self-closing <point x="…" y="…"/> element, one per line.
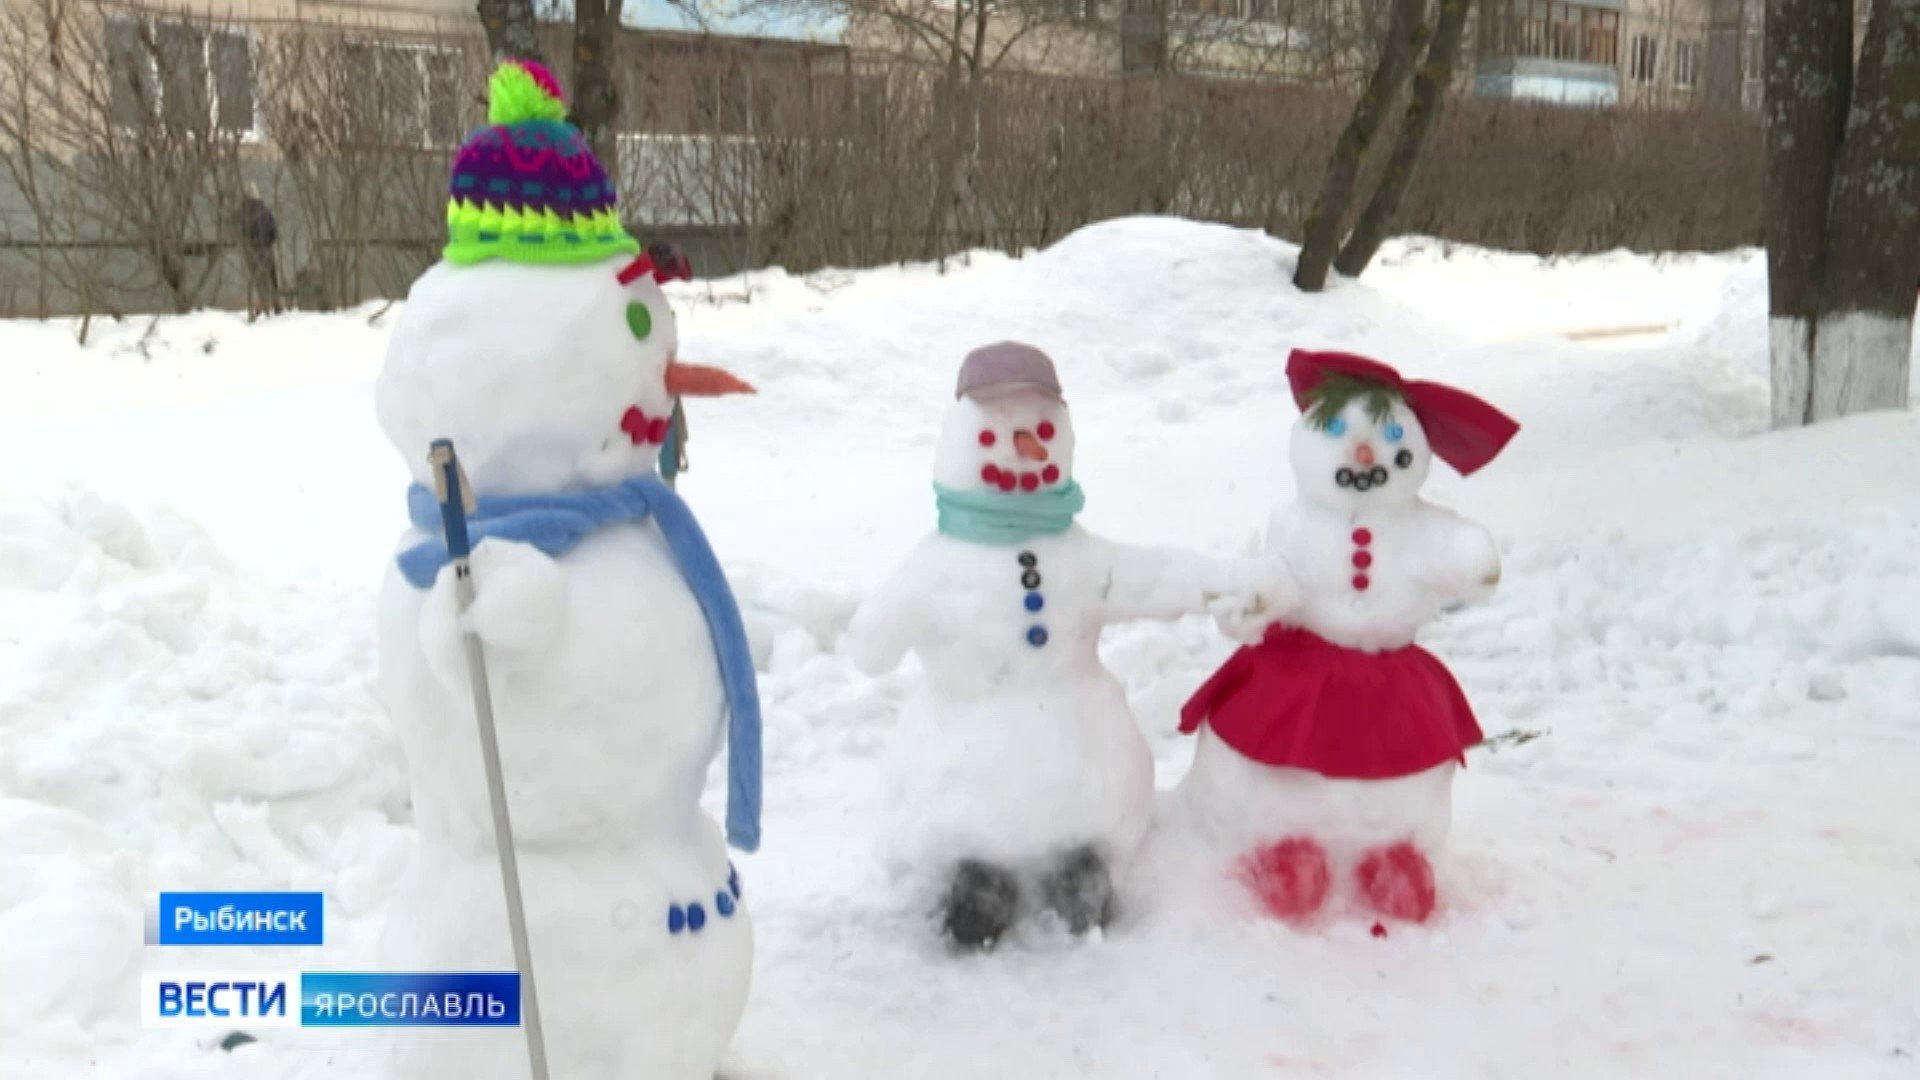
<point x="1687" y="850"/>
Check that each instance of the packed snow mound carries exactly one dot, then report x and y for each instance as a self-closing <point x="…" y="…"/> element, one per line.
<point x="1686" y="849"/>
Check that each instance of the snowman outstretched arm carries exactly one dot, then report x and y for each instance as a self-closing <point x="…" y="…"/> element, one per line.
<point x="519" y="607"/>
<point x="1464" y="561"/>
<point x="1163" y="583"/>
<point x="891" y="620"/>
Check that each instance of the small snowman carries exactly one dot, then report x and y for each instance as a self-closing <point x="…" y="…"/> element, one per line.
<point x="543" y="346"/>
<point x="1330" y="746"/>
<point x="1026" y="785"/>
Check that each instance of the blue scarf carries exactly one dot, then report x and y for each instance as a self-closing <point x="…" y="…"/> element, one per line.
<point x="1002" y="517"/>
<point x="556" y="524"/>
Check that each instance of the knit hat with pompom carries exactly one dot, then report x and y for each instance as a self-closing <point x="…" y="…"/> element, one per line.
<point x="527" y="187"/>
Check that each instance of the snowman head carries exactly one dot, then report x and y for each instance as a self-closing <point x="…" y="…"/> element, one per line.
<point x="541" y="343"/>
<point x="1357" y="445"/>
<point x="546" y="378"/>
<point x="1009" y="429"/>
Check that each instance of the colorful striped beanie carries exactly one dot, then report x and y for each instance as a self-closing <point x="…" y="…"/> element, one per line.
<point x="527" y="188"/>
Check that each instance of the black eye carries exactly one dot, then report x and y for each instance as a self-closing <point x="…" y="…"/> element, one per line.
<point x="1403" y="459"/>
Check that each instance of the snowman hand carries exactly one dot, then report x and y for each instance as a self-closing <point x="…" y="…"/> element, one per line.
<point x="520" y="597"/>
<point x="1242" y="617"/>
<point x="876" y="642"/>
<point x="1267" y="594"/>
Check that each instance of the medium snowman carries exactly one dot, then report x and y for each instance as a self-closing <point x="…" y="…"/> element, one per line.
<point x="1329" y="748"/>
<point x="543" y="346"/>
<point x="1025" y="784"/>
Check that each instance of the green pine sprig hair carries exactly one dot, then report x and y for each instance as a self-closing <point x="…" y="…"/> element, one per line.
<point x="1334" y="392"/>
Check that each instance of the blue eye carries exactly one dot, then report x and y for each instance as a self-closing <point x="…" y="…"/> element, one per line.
<point x="1394" y="431"/>
<point x="1337" y="427"/>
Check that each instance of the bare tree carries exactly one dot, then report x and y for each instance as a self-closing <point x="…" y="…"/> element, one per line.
<point x="1406" y="34"/>
<point x="1429" y="95"/>
<point x="512" y="31"/>
<point x="1843" y="205"/>
<point x="596" y="95"/>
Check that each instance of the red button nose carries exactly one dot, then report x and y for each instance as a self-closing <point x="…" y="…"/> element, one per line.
<point x="1364" y="454"/>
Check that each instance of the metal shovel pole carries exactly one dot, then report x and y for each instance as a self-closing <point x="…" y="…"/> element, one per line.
<point x="456" y="502"/>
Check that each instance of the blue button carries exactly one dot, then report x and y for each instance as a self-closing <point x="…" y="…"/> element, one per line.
<point x="723" y="903"/>
<point x="696" y="916"/>
<point x="1035" y="601"/>
<point x="1037" y="636"/>
<point x="676" y="919"/>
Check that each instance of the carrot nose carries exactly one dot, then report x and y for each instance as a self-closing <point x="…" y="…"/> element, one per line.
<point x="698" y="380"/>
<point x="1363" y="453"/>
<point x="1028" y="447"/>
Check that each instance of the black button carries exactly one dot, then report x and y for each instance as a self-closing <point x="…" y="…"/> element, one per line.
<point x="1403" y="459"/>
<point x="1031" y="579"/>
<point x="1028" y="559"/>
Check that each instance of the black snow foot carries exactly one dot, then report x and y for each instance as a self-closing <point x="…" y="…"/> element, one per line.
<point x="980" y="904"/>
<point x="1081" y="890"/>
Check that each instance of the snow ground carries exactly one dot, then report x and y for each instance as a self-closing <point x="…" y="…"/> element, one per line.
<point x="1693" y="848"/>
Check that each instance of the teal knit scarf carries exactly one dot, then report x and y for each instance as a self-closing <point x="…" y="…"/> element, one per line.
<point x="1002" y="517"/>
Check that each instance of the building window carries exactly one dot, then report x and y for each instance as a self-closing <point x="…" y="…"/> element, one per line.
<point x="189" y="78"/>
<point x="1645" y="53"/>
<point x="1552" y="30"/>
<point x="1686" y="64"/>
<point x="404" y="94"/>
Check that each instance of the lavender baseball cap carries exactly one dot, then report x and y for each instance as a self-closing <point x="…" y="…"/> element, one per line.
<point x="1007" y="363"/>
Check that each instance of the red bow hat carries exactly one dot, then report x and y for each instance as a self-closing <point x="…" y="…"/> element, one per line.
<point x="1464" y="431"/>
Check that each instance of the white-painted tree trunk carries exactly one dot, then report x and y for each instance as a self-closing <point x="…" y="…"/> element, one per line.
<point x="1790" y="351"/>
<point x="1858" y="361"/>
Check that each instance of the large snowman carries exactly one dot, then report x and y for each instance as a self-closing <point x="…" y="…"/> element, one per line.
<point x="543" y="346"/>
<point x="1329" y="748"/>
<point x="1025" y="784"/>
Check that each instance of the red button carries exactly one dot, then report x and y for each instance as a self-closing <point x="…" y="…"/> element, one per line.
<point x="1360" y="582"/>
<point x="1362" y="537"/>
<point x="990" y="473"/>
<point x="1362" y="560"/>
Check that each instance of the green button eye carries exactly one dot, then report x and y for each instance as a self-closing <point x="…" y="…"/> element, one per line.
<point x="639" y="321"/>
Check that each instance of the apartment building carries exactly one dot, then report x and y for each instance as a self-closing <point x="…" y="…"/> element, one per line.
<point x="1634" y="53"/>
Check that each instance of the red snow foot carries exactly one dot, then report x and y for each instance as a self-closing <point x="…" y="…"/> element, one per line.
<point x="1290" y="877"/>
<point x="1397" y="882"/>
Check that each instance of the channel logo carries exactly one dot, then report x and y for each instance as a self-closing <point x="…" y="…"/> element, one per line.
<point x="225" y="999"/>
<point x="236" y="918"/>
<point x="222" y="999"/>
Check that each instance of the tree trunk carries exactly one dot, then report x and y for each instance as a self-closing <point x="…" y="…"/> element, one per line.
<point x="596" y="98"/>
<point x="1809" y="75"/>
<point x="510" y="29"/>
<point x="1405" y="35"/>
<point x="1862" y="345"/>
<point x="1429" y="96"/>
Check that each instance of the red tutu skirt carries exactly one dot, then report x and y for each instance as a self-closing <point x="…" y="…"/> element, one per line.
<point x="1299" y="700"/>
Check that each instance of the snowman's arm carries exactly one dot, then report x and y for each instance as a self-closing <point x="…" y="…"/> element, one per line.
<point x="1466" y="561"/>
<point x="1162" y="583"/>
<point x="519" y="606"/>
<point x="889" y="622"/>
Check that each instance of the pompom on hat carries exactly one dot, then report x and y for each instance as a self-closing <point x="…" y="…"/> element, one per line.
<point x="527" y="188"/>
<point x="1463" y="431"/>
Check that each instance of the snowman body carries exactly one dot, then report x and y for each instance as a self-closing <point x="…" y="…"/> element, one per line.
<point x="1329" y="749"/>
<point x="606" y="694"/>
<point x="1011" y="751"/>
